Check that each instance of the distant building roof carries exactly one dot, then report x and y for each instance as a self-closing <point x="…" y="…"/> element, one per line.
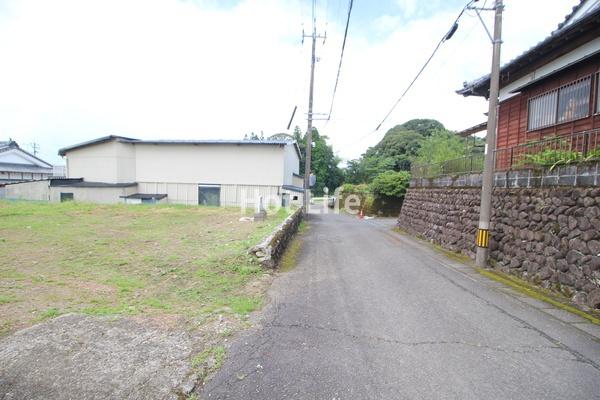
<point x="25" y="162"/>
<point x="124" y="139"/>
<point x="583" y="19"/>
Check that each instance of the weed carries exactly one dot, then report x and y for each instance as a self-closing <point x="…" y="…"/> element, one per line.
<point x="13" y="275"/>
<point x="226" y="333"/>
<point x="536" y="293"/>
<point x="7" y="298"/>
<point x="156" y="303"/>
<point x="118" y="259"/>
<point x="49" y="313"/>
<point x="125" y="283"/>
<point x="209" y="360"/>
<point x="243" y="305"/>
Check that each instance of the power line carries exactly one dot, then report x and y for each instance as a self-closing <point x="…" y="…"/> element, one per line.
<point x="453" y="51"/>
<point x="447" y="36"/>
<point x="337" y="79"/>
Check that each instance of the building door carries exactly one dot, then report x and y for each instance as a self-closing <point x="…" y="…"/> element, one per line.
<point x="209" y="195"/>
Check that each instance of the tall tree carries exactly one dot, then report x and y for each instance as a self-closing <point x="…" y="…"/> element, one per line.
<point x="324" y="161"/>
<point x="395" y="152"/>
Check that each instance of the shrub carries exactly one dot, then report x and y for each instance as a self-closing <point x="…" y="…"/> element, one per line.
<point x="551" y="158"/>
<point x="391" y="183"/>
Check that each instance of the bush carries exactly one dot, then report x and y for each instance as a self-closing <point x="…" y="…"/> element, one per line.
<point x="351" y="188"/>
<point x="391" y="183"/>
<point x="551" y="158"/>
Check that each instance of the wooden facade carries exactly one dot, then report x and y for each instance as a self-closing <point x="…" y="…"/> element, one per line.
<point x="513" y="113"/>
<point x="550" y="92"/>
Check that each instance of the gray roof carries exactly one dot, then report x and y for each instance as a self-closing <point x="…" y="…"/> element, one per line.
<point x="79" y="182"/>
<point x="156" y="196"/>
<point x="565" y="33"/>
<point x="124" y="139"/>
<point x="293" y="188"/>
<point x="13" y="167"/>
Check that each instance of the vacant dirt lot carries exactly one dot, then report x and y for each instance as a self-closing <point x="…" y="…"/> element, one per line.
<point x="177" y="273"/>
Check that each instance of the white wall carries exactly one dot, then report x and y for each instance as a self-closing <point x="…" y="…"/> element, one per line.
<point x="102" y="195"/>
<point x="110" y="162"/>
<point x="39" y="191"/>
<point x="211" y="164"/>
<point x="291" y="164"/>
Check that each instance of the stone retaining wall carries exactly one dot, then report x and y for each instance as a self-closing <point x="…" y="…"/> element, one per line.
<point x="549" y="236"/>
<point x="270" y="250"/>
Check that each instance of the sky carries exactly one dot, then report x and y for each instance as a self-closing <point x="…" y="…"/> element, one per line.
<point x="75" y="70"/>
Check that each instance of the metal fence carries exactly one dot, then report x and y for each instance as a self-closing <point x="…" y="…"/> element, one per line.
<point x="560" y="150"/>
<point x="547" y="153"/>
<point x="457" y="166"/>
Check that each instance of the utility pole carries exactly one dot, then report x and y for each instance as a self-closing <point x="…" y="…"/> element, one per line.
<point x="483" y="233"/>
<point x="35" y="148"/>
<point x="309" y="128"/>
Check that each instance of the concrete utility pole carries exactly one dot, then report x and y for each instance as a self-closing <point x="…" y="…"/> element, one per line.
<point x="309" y="128"/>
<point x="35" y="148"/>
<point x="483" y="233"/>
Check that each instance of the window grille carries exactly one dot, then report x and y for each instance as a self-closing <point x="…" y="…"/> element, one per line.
<point x="542" y="110"/>
<point x="567" y="103"/>
<point x="574" y="100"/>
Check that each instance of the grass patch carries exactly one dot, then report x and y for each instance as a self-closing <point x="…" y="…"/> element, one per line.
<point x="210" y="360"/>
<point x="13" y="275"/>
<point x="121" y="259"/>
<point x="243" y="305"/>
<point x="49" y="313"/>
<point x="289" y="259"/>
<point x="7" y="298"/>
<point x="536" y="293"/>
<point x="125" y="283"/>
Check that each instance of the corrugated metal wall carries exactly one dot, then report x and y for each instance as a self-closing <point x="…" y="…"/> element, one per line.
<point x="179" y="193"/>
<point x="231" y="195"/>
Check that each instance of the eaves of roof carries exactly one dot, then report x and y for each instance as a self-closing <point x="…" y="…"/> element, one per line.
<point x="563" y="35"/>
<point x="13" y="167"/>
<point x="109" y="138"/>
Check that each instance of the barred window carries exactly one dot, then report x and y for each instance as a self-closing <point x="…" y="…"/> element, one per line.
<point x="574" y="100"/>
<point x="542" y="110"/>
<point x="567" y="103"/>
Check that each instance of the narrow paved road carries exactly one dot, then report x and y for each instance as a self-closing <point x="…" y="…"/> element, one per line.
<point x="372" y="314"/>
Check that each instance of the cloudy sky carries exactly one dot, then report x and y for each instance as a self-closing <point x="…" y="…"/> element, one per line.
<point x="73" y="70"/>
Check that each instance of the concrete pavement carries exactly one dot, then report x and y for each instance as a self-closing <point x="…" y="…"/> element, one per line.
<point x="372" y="314"/>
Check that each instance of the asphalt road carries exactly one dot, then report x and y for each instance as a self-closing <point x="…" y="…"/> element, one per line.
<point x="372" y="314"/>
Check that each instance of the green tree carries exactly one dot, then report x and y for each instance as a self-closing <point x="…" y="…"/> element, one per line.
<point x="420" y="140"/>
<point x="324" y="162"/>
<point x="354" y="173"/>
<point x="395" y="152"/>
<point x="442" y="146"/>
<point x="424" y="127"/>
<point x="391" y="183"/>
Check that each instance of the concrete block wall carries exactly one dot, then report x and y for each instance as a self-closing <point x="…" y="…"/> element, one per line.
<point x="549" y="236"/>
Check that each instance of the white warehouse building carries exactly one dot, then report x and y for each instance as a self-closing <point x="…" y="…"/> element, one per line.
<point x="115" y="169"/>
